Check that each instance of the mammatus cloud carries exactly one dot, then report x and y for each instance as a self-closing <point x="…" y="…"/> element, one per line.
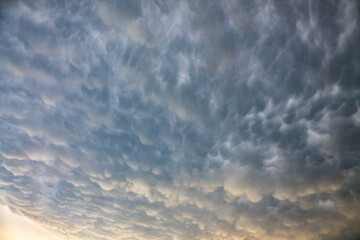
<point x="182" y="119"/>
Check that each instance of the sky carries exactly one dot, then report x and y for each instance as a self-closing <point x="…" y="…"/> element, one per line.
<point x="10" y="228"/>
<point x="180" y="120"/>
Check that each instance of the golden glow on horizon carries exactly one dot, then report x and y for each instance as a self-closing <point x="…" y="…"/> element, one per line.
<point x="15" y="227"/>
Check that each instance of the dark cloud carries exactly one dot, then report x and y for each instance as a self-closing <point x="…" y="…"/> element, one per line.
<point x="182" y="120"/>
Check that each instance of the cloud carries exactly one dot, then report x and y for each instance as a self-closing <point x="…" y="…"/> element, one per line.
<point x="182" y="120"/>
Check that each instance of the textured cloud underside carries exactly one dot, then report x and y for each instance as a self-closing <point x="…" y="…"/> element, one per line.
<point x="182" y="119"/>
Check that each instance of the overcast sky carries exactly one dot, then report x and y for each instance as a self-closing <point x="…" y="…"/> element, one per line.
<point x="182" y="120"/>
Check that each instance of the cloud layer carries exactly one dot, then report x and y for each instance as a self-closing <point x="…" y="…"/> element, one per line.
<point x="182" y="119"/>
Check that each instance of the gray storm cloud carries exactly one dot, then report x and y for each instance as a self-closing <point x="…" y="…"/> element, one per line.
<point x="182" y="119"/>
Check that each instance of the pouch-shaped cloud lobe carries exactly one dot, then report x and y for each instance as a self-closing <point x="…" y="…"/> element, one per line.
<point x="182" y="119"/>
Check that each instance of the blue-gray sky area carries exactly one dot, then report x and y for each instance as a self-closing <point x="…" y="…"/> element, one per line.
<point x="179" y="120"/>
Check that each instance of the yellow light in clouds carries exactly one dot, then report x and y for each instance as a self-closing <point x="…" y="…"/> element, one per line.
<point x="14" y="227"/>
